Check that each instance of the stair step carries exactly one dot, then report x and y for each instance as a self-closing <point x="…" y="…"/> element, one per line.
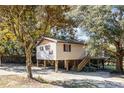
<point x="83" y="63"/>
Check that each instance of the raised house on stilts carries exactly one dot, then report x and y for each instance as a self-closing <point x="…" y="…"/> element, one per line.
<point x="60" y="51"/>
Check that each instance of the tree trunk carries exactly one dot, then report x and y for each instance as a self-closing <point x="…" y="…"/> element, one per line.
<point x="119" y="64"/>
<point x="0" y="60"/>
<point x="28" y="62"/>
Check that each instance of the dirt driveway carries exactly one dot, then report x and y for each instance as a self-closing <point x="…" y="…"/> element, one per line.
<point x="104" y="79"/>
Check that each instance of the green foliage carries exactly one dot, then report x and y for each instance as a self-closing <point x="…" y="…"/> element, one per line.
<point x="29" y="23"/>
<point x="1" y="50"/>
<point x="103" y="24"/>
<point x="106" y="25"/>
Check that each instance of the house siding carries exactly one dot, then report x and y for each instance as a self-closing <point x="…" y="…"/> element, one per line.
<point x="44" y="55"/>
<point x="77" y="52"/>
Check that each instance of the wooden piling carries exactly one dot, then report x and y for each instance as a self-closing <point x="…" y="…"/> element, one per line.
<point x="0" y="63"/>
<point x="45" y="64"/>
<point x="66" y="65"/>
<point x="37" y="63"/>
<point x="74" y="65"/>
<point x="56" y="66"/>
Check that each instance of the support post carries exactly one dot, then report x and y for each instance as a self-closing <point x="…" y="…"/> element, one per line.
<point x="64" y="64"/>
<point x="0" y="60"/>
<point x="37" y="63"/>
<point x="44" y="64"/>
<point x="56" y="66"/>
<point x="67" y="65"/>
<point x="98" y="61"/>
<point x="103" y="64"/>
<point x="74" y="65"/>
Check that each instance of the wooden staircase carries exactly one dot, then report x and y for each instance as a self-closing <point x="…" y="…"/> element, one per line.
<point x="83" y="63"/>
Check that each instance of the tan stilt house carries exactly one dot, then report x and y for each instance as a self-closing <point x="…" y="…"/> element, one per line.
<point x="59" y="50"/>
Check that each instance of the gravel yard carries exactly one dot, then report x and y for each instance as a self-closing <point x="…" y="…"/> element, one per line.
<point x="66" y="79"/>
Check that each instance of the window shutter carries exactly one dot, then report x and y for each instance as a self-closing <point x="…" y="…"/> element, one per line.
<point x="64" y="48"/>
<point x="69" y="48"/>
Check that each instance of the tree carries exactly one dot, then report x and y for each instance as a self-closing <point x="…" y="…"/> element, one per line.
<point x="30" y="23"/>
<point x="2" y="49"/>
<point x="1" y="53"/>
<point x="10" y="44"/>
<point x="67" y="33"/>
<point x="106" y="23"/>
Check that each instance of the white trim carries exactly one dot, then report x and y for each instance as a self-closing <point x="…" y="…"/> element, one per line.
<point x="51" y="39"/>
<point x="62" y="41"/>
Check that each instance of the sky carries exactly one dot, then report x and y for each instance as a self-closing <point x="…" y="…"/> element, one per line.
<point x="81" y="34"/>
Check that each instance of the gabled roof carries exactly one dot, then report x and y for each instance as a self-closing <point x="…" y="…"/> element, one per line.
<point x="64" y="41"/>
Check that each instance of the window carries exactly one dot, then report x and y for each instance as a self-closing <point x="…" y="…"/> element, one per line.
<point x="51" y="52"/>
<point x="67" y="48"/>
<point x="47" y="47"/>
<point x="41" y="48"/>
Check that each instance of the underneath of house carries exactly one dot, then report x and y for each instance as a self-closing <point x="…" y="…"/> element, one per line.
<point x="71" y="55"/>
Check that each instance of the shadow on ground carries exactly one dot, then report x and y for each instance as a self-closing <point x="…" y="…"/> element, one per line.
<point x="84" y="83"/>
<point x="20" y="68"/>
<point x="70" y="83"/>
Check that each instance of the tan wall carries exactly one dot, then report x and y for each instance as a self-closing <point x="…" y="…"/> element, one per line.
<point x="77" y="52"/>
